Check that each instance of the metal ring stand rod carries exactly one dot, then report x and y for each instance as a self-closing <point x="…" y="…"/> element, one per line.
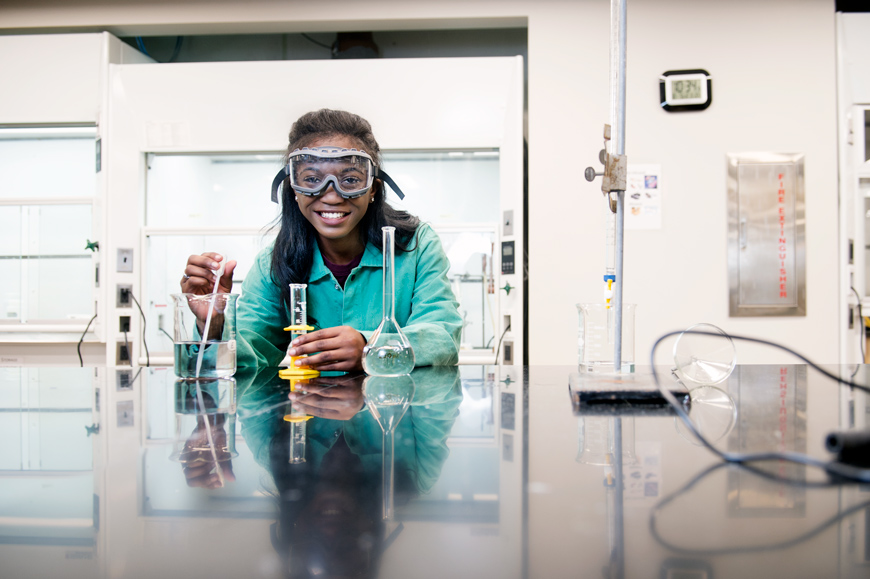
<point x="617" y="120"/>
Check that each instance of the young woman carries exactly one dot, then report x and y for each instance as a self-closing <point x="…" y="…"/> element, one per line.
<point x="333" y="209"/>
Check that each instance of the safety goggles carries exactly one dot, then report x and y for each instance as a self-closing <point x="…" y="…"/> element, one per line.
<point x="351" y="172"/>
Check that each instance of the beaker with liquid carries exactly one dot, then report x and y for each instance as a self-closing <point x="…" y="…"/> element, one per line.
<point x="214" y="357"/>
<point x="597" y="337"/>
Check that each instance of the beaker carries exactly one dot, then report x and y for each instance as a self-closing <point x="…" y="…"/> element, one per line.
<point x="388" y="351"/>
<point x="704" y="355"/>
<point x="597" y="335"/>
<point x="218" y="358"/>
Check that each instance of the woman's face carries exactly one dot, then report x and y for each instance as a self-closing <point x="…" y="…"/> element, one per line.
<point x="335" y="218"/>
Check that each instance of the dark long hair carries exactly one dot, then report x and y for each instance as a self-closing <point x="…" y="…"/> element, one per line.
<point x="293" y="253"/>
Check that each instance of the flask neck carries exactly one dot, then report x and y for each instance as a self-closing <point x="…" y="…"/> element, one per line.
<point x="389" y="274"/>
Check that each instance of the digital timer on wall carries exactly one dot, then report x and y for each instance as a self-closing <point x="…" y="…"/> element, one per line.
<point x="685" y="90"/>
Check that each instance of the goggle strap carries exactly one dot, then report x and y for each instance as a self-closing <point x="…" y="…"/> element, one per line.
<point x="276" y="182"/>
<point x="383" y="175"/>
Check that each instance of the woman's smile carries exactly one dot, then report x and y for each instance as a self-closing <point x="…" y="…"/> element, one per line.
<point x="332" y="217"/>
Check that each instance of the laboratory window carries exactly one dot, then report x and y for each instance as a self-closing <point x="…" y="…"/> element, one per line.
<point x="47" y="186"/>
<point x="197" y="203"/>
<point x="221" y="202"/>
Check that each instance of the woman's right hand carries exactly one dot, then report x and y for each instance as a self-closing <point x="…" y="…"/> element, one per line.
<point x="199" y="274"/>
<point x="199" y="277"/>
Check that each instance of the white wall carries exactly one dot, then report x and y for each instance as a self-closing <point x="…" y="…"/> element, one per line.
<point x="774" y="89"/>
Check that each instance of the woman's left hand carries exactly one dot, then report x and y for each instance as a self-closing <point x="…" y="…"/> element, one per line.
<point x="339" y="348"/>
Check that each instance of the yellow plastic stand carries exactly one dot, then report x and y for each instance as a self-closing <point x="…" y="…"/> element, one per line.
<point x="298" y="372"/>
<point x="293" y="370"/>
<point x="298" y="328"/>
<point x="291" y="418"/>
<point x="295" y="417"/>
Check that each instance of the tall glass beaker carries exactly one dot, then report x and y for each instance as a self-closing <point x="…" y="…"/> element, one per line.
<point x="597" y="335"/>
<point x="388" y="351"/>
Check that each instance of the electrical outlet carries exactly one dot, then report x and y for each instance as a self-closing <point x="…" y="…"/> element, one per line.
<point x="507" y="349"/>
<point x="124" y="380"/>
<point x="122" y="357"/>
<point x="124" y="324"/>
<point x="124" y="300"/>
<point x="125" y="260"/>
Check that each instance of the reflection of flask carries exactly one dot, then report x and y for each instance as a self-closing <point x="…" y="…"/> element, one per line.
<point x="387" y="399"/>
<point x="388" y="351"/>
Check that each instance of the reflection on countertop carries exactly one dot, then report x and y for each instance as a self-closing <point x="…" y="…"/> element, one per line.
<point x="481" y="471"/>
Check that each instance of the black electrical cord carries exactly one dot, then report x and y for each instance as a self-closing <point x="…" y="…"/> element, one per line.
<point x="178" y="42"/>
<point x="863" y="327"/>
<point x="167" y="334"/>
<point x="144" y="343"/>
<point x="308" y="38"/>
<point x="754" y="548"/>
<point x="82" y="339"/>
<point x="832" y="468"/>
<point x="136" y="377"/>
<point x="127" y="346"/>
<point x="498" y="348"/>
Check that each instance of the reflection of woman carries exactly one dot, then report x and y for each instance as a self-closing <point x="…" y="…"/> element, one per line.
<point x="330" y="506"/>
<point x="333" y="209"/>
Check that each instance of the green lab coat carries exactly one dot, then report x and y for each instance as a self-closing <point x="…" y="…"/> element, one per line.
<point x="426" y="308"/>
<point x="420" y="437"/>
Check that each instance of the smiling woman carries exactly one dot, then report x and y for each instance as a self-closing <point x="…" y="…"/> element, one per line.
<point x="333" y="210"/>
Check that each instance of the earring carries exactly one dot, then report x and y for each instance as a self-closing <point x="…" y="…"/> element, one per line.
<point x="372" y="200"/>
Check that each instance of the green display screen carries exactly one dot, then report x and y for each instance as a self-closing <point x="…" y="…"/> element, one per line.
<point x="686" y="89"/>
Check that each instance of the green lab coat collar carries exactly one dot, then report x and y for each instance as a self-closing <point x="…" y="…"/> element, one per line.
<point x="372" y="257"/>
